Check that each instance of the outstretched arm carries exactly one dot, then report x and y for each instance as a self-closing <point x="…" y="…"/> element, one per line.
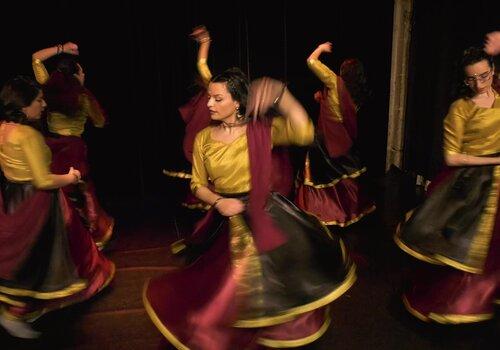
<point x="202" y="36"/>
<point x="325" y="74"/>
<point x="38" y="57"/>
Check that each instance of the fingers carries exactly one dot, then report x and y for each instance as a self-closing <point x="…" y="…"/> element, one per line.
<point x="264" y="93"/>
<point x="492" y="43"/>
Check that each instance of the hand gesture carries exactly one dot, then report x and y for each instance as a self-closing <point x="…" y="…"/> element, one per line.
<point x="230" y="206"/>
<point x="70" y="48"/>
<point x="76" y="173"/>
<point x="492" y="43"/>
<point x="325" y="47"/>
<point x="200" y="34"/>
<point x="263" y="94"/>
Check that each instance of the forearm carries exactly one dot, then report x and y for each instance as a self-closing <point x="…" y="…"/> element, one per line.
<point x="204" y="194"/>
<point x="53" y="181"/>
<point x="48" y="52"/>
<point x="459" y="159"/>
<point x="203" y="49"/>
<point x="315" y="54"/>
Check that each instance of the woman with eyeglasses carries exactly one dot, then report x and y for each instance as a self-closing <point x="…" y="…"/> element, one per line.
<point x="456" y="231"/>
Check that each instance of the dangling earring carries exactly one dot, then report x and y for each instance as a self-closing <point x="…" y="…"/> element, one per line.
<point x="239" y="116"/>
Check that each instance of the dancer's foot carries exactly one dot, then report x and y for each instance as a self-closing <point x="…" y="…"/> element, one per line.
<point x="18" y="328"/>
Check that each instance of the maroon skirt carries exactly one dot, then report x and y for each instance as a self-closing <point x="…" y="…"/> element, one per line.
<point x="71" y="151"/>
<point x="456" y="233"/>
<point x="230" y="296"/>
<point x="47" y="258"/>
<point x="330" y="187"/>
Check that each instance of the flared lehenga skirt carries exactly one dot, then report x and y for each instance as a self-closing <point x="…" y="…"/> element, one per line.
<point x="47" y="258"/>
<point x="231" y="296"/>
<point x="456" y="234"/>
<point x="71" y="151"/>
<point x="330" y="187"/>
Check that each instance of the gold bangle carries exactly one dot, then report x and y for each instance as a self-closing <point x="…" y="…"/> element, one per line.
<point x="278" y="98"/>
<point x="217" y="200"/>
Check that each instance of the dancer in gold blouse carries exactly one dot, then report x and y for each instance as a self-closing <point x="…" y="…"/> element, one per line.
<point x="47" y="258"/>
<point x="329" y="186"/>
<point x="197" y="116"/>
<point x="259" y="270"/>
<point x="70" y="105"/>
<point x="457" y="229"/>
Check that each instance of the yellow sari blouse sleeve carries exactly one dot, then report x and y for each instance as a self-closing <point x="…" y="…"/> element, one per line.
<point x="199" y="172"/>
<point x="329" y="78"/>
<point x="204" y="71"/>
<point x="41" y="74"/>
<point x="453" y="128"/>
<point x="284" y="133"/>
<point x="32" y="146"/>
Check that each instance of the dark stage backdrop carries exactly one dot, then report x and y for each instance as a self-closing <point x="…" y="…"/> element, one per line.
<point x="441" y="31"/>
<point x="140" y="64"/>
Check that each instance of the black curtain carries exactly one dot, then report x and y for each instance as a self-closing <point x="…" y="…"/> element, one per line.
<point x="140" y="64"/>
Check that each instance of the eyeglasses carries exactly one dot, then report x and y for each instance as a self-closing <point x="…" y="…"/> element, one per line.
<point x="478" y="77"/>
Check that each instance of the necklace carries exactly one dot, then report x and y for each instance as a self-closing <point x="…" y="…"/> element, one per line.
<point x="226" y="125"/>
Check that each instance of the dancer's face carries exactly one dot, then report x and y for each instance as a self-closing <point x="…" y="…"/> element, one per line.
<point x="35" y="109"/>
<point x="221" y="104"/>
<point x="479" y="76"/>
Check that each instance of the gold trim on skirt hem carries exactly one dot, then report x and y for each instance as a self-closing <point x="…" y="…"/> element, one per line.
<point x="435" y="259"/>
<point x="5" y="299"/>
<point x="446" y="318"/>
<point x="179" y="174"/>
<point x="34" y="315"/>
<point x="352" y="221"/>
<point x="354" y="175"/>
<point x="178" y="246"/>
<point x="72" y="289"/>
<point x="272" y="343"/>
<point x="105" y="239"/>
<point x="288" y="315"/>
<point x="157" y="322"/>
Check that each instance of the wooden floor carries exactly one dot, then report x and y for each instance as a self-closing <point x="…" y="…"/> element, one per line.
<point x="369" y="316"/>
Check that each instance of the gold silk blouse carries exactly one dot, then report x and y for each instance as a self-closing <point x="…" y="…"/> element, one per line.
<point x="329" y="78"/>
<point x="470" y="129"/>
<point x="62" y="124"/>
<point x="204" y="71"/>
<point x="227" y="166"/>
<point x="24" y="155"/>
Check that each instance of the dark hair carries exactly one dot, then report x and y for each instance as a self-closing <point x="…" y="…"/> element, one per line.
<point x="237" y="85"/>
<point x="469" y="57"/>
<point x="62" y="91"/>
<point x="353" y="74"/>
<point x="17" y="93"/>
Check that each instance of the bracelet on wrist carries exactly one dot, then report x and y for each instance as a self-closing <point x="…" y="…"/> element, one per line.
<point x="217" y="200"/>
